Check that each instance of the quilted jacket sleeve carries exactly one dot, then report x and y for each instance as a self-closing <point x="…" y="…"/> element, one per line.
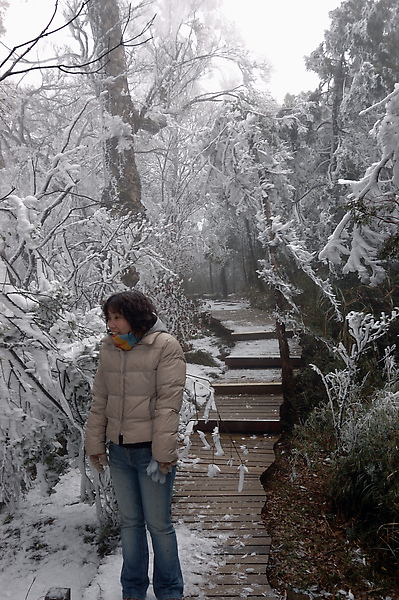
<point x="97" y="421"/>
<point x="170" y="380"/>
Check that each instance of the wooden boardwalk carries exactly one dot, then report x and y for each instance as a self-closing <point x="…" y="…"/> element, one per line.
<point x="248" y="398"/>
<point x="215" y="509"/>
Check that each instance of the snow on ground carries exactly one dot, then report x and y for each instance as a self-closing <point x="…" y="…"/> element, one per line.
<point x="49" y="542"/>
<point x="196" y="557"/>
<point x="227" y="305"/>
<point x="209" y="344"/>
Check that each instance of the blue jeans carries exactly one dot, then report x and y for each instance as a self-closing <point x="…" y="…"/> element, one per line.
<point x="142" y="501"/>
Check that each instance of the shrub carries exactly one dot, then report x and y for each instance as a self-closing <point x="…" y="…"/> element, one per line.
<point x="365" y="475"/>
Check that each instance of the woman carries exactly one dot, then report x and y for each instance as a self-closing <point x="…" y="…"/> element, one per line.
<point x="137" y="395"/>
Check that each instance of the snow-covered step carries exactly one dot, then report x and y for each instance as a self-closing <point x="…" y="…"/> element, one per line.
<point x="253" y="334"/>
<point x="261" y="354"/>
<point x="247" y="387"/>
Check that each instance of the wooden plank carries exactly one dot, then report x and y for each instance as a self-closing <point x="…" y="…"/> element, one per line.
<point x="245" y="523"/>
<point x="265" y="349"/>
<point x="237" y="336"/>
<point x="215" y="508"/>
<point x="245" y="408"/>
<point x="241" y="426"/>
<point x="227" y="496"/>
<point x="231" y="550"/>
<point x="251" y="376"/>
<point x="251" y="541"/>
<point x="217" y="503"/>
<point x="250" y="489"/>
<point x="240" y="578"/>
<point x="233" y="530"/>
<point x="247" y="560"/>
<point x="258" y="362"/>
<point x="208" y="596"/>
<point x="233" y="568"/>
<point x="248" y="400"/>
<point x="257" y="387"/>
<point x="208" y="520"/>
<point x="236" y="533"/>
<point x="237" y="591"/>
<point x="182" y="510"/>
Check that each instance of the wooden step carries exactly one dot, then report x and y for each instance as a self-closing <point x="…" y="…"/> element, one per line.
<point x="246" y="407"/>
<point x="255" y="452"/>
<point x="243" y="414"/>
<point x="257" y="362"/>
<point x="248" y="396"/>
<point x="213" y="507"/>
<point x="261" y="354"/>
<point x="247" y="387"/>
<point x="231" y="426"/>
<point x="267" y="334"/>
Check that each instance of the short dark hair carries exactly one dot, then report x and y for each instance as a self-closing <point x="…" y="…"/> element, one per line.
<point x="135" y="307"/>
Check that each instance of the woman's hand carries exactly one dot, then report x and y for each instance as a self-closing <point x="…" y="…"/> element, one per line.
<point x="166" y="467"/>
<point x="99" y="461"/>
<point x="158" y="471"/>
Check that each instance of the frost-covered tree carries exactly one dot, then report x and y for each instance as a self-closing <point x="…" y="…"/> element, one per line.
<point x="29" y="57"/>
<point x="63" y="251"/>
<point x="188" y="67"/>
<point x="357" y="65"/>
<point x="370" y="225"/>
<point x="121" y="118"/>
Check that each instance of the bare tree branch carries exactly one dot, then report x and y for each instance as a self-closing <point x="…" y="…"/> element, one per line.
<point x="77" y="69"/>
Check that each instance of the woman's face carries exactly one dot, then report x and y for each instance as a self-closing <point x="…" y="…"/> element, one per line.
<point x="117" y="323"/>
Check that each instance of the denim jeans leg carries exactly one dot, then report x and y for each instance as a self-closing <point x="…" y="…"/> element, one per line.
<point x="143" y="501"/>
<point x="157" y="498"/>
<point x="134" y="575"/>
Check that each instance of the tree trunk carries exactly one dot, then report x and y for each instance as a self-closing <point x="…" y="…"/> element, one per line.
<point x="287" y="371"/>
<point x="338" y="91"/>
<point x="223" y="281"/>
<point x="253" y="263"/>
<point x="122" y="186"/>
<point x="211" y="276"/>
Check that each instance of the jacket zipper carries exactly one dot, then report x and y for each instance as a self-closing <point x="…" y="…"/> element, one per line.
<point x="123" y="374"/>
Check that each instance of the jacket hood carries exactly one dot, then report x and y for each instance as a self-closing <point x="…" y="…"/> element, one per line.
<point x="158" y="326"/>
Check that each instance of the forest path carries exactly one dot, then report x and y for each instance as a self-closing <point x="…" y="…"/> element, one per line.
<point x="248" y="398"/>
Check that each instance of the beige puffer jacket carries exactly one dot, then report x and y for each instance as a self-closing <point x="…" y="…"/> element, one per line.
<point x="138" y="394"/>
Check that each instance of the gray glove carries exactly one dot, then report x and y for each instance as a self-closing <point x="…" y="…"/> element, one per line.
<point x="155" y="472"/>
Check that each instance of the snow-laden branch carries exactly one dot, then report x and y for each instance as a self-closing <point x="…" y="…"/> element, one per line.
<point x="342" y="386"/>
<point x="360" y="235"/>
<point x="17" y="56"/>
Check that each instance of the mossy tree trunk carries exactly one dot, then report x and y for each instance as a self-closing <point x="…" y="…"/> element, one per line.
<point x="122" y="187"/>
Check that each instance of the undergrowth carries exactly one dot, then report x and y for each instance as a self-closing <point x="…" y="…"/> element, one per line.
<point x="317" y="551"/>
